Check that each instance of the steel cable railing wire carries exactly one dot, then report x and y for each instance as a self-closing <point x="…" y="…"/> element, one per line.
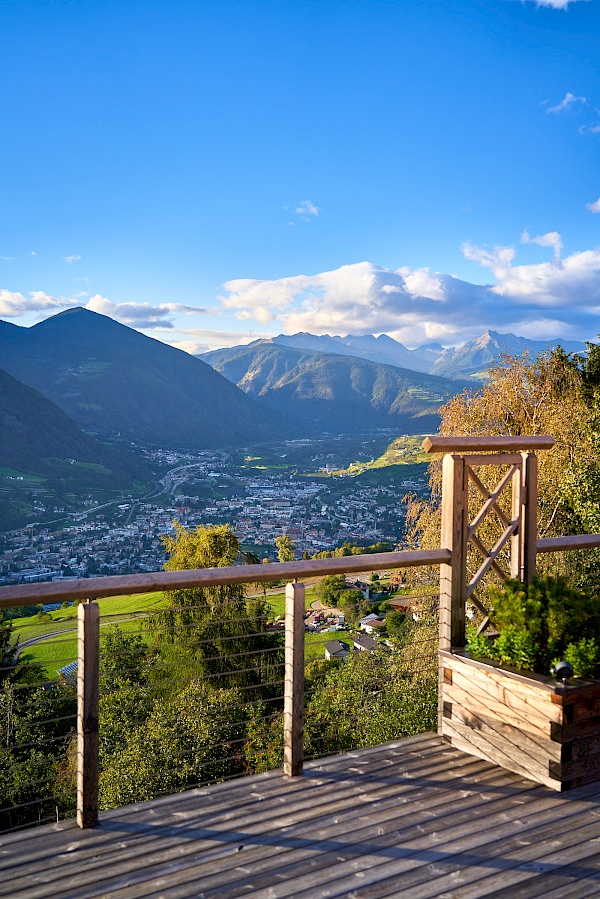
<point x="187" y="699"/>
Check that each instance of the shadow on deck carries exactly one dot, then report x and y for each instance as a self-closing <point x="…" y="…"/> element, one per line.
<point x="414" y="818"/>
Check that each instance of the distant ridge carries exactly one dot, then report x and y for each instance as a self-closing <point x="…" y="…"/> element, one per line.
<point x="475" y="357"/>
<point x="335" y="392"/>
<point x="110" y="378"/>
<point x="472" y="360"/>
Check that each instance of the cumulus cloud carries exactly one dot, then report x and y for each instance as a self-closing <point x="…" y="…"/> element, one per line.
<point x="137" y="315"/>
<point x="70" y="259"/>
<point x="594" y="207"/>
<point x="14" y="304"/>
<point x="551" y="239"/>
<point x="551" y="299"/>
<point x="568" y="102"/>
<point x="307" y="209"/>
<point x="140" y="315"/>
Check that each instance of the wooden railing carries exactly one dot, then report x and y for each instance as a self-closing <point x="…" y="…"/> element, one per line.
<point x="105" y="587"/>
<point x="462" y="456"/>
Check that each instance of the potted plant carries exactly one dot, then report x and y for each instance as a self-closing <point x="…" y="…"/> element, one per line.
<point x="500" y="700"/>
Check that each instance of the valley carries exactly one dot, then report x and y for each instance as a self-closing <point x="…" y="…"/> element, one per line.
<point x="320" y="492"/>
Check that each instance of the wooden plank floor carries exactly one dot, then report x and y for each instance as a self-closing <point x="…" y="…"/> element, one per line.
<point x="415" y="818"/>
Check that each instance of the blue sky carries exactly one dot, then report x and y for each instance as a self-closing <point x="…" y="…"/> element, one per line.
<point x="211" y="172"/>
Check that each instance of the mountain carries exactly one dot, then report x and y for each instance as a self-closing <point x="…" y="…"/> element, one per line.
<point x="37" y="437"/>
<point x="382" y="349"/>
<point x="43" y="454"/>
<point x="336" y="393"/>
<point x="109" y="378"/>
<point x="474" y="358"/>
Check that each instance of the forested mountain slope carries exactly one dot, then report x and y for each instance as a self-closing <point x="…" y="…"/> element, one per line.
<point x="110" y="378"/>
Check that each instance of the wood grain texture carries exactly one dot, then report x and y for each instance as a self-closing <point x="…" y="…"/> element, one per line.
<point x="293" y="711"/>
<point x="441" y="444"/>
<point x="117" y="585"/>
<point x="413" y="818"/>
<point x="537" y="728"/>
<point x="88" y="653"/>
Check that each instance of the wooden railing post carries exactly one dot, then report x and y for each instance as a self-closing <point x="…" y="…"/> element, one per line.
<point x="453" y="574"/>
<point x="293" y="727"/>
<point x="529" y="515"/>
<point x="87" y="713"/>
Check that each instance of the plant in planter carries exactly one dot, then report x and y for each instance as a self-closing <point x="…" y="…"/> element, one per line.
<point x="541" y="624"/>
<point x="506" y="708"/>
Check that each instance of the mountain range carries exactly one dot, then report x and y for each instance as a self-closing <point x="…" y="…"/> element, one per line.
<point x="335" y="392"/>
<point x="472" y="360"/>
<point x="109" y="378"/>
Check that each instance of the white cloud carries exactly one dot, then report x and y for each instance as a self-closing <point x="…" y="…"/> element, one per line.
<point x="200" y="340"/>
<point x="137" y="315"/>
<point x="6" y="258"/>
<point x="140" y="315"/>
<point x="551" y="299"/>
<point x="567" y="102"/>
<point x="419" y="283"/>
<point x="555" y="4"/>
<point x="551" y="239"/>
<point x="14" y="304"/>
<point x="594" y="207"/>
<point x="70" y="259"/>
<point x="307" y="208"/>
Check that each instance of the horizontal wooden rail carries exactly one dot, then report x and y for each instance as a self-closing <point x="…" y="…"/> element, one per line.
<point x="560" y="544"/>
<point x="441" y="444"/>
<point x="117" y="585"/>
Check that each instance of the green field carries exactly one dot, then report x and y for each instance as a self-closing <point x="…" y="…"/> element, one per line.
<point x="126" y="611"/>
<point x="314" y="644"/>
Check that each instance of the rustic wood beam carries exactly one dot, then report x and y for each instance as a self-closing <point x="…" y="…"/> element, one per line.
<point x="88" y="615"/>
<point x="117" y="585"/>
<point x="293" y="714"/>
<point x="441" y="444"/>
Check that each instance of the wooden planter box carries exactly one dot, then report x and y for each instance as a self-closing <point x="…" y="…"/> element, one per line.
<point x="530" y="724"/>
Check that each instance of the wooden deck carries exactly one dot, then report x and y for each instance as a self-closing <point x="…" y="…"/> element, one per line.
<point x="415" y="818"/>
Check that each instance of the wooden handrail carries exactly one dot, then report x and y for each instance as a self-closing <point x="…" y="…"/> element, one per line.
<point x="441" y="444"/>
<point x="560" y="544"/>
<point x="117" y="585"/>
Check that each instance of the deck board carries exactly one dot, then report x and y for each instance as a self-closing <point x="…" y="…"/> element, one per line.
<point x="415" y="818"/>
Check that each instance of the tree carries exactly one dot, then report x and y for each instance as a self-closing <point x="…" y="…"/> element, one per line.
<point x="329" y="588"/>
<point x="214" y="631"/>
<point x="555" y="394"/>
<point x="285" y="548"/>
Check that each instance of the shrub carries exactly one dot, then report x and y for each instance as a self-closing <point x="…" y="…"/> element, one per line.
<point x="540" y="624"/>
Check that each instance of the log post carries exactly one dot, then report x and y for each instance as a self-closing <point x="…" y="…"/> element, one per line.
<point x="529" y="515"/>
<point x="87" y="713"/>
<point x="516" y="541"/>
<point x="293" y="727"/>
<point x="453" y="574"/>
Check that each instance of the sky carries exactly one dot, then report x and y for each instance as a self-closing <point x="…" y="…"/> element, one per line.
<point x="215" y="172"/>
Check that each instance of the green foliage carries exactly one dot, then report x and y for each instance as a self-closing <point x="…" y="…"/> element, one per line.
<point x="541" y="623"/>
<point x="285" y="548"/>
<point x="186" y="740"/>
<point x="36" y="724"/>
<point x="329" y="588"/>
<point x="215" y="629"/>
<point x="395" y="623"/>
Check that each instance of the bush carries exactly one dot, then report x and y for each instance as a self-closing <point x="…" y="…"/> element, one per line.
<point x="541" y="624"/>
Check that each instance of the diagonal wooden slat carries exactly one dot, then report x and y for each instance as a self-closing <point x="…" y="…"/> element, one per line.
<point x="486" y="495"/>
<point x="490" y="503"/>
<point x="487" y="563"/>
<point x="479" y="545"/>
